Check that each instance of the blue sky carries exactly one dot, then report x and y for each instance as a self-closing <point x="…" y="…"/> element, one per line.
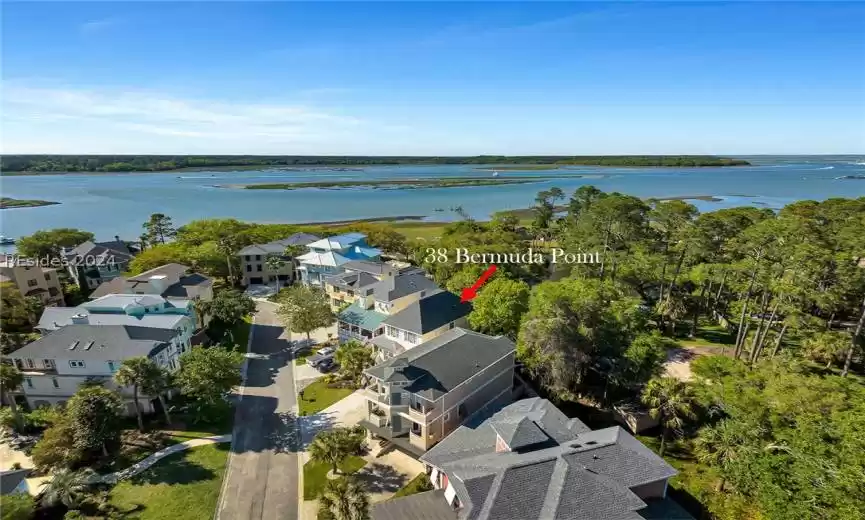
<point x="433" y="78"/>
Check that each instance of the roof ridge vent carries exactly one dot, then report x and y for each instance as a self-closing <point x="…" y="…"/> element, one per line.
<point x="88" y="345"/>
<point x="73" y="345"/>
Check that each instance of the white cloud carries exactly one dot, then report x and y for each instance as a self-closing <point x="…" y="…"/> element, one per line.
<point x="56" y="120"/>
<point x="97" y="25"/>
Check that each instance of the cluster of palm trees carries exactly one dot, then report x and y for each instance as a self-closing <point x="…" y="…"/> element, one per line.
<point x="343" y="498"/>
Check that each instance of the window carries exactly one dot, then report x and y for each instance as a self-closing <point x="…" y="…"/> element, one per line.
<point x="54" y="382"/>
<point x="32" y="283"/>
<point x="29" y="382"/>
<point x="447" y="416"/>
<point x="47" y="277"/>
<point x="248" y="258"/>
<point x="392" y="332"/>
<point x="111" y="366"/>
<point x="76" y="364"/>
<point x="48" y="363"/>
<point x="248" y="268"/>
<point x="30" y="363"/>
<point x="258" y="268"/>
<point x="451" y="325"/>
<point x="258" y="258"/>
<point x="411" y="337"/>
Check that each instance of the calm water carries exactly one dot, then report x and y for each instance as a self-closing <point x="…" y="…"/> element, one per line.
<point x="117" y="204"/>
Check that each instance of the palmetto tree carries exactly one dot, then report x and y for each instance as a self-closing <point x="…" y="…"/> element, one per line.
<point x="344" y="499"/>
<point x="334" y="446"/>
<point x="67" y="487"/>
<point x="138" y="372"/>
<point x="227" y="246"/>
<point x="274" y="263"/>
<point x="671" y="402"/>
<point x="720" y="445"/>
<point x="10" y="379"/>
<point x="157" y="385"/>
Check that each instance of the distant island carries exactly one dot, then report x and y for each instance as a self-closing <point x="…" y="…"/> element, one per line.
<point x="7" y="203"/>
<point x="35" y="164"/>
<point x="397" y="184"/>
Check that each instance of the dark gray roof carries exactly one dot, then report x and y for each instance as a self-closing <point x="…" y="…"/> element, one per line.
<point x="370" y="267"/>
<point x="110" y="342"/>
<point x="575" y="474"/>
<point x="430" y="505"/>
<point x="99" y="253"/>
<point x="9" y="480"/>
<point x="430" y="313"/>
<point x="439" y="365"/>
<point x="396" y="287"/>
<point x="353" y="281"/>
<point x="278" y="246"/>
<point x="189" y="285"/>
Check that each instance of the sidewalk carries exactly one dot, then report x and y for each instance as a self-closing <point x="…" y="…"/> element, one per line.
<point x="133" y="470"/>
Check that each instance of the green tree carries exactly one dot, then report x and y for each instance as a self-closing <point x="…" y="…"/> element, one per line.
<point x="138" y="372"/>
<point x="18" y="313"/>
<point x="644" y="359"/>
<point x="57" y="448"/>
<point x="209" y="374"/>
<point x="344" y="499"/>
<point x="499" y="307"/>
<point x="274" y="263"/>
<point x="18" y="506"/>
<point x="720" y="445"/>
<point x="228" y="307"/>
<point x="159" y="228"/>
<point x="353" y="358"/>
<point x="95" y="418"/>
<point x="68" y="488"/>
<point x="160" y="254"/>
<point x="48" y="243"/>
<point x="304" y="309"/>
<point x="334" y="446"/>
<point x="10" y="379"/>
<point x="825" y="347"/>
<point x="158" y="384"/>
<point x="671" y="402"/>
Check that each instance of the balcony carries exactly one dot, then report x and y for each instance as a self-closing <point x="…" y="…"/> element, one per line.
<point x="374" y="395"/>
<point x="418" y="413"/>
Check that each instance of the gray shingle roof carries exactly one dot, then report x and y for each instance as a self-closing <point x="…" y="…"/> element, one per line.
<point x="352" y="281"/>
<point x="430" y="505"/>
<point x="430" y="313"/>
<point x="114" y="342"/>
<point x="576" y="474"/>
<point x="10" y="479"/>
<point x="367" y="266"/>
<point x="278" y="246"/>
<point x="404" y="284"/>
<point x="171" y="270"/>
<point x="98" y="253"/>
<point x="520" y="433"/>
<point x="189" y="285"/>
<point x="439" y="365"/>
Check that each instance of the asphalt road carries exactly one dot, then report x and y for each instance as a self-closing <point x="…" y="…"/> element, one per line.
<point x="261" y="480"/>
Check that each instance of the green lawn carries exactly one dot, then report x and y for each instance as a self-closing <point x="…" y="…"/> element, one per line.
<point x="315" y="475"/>
<point x="419" y="484"/>
<point x="317" y="397"/>
<point x="184" y="486"/>
<point x="414" y="230"/>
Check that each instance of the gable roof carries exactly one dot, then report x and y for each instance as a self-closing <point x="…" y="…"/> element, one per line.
<point x="110" y="342"/>
<point x="366" y="319"/>
<point x="430" y="505"/>
<point x="338" y="241"/>
<point x="352" y="280"/>
<point x="439" y="365"/>
<point x="92" y="254"/>
<point x="278" y="246"/>
<point x="368" y="266"/>
<point x="401" y="285"/>
<point x="576" y="473"/>
<point x="189" y="286"/>
<point x="429" y="313"/>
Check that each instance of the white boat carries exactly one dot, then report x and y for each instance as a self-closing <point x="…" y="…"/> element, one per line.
<point x="5" y="241"/>
<point x="495" y="173"/>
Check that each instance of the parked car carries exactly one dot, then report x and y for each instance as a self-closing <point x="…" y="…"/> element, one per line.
<point x="321" y="355"/>
<point x="302" y="346"/>
<point x="327" y="365"/>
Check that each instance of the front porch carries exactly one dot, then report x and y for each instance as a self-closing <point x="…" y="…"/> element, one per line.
<point x="401" y="440"/>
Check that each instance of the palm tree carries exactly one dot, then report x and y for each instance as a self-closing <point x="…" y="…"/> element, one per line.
<point x="353" y="358"/>
<point x="344" y="499"/>
<point x="202" y="310"/>
<point x="10" y="379"/>
<point x="721" y="444"/>
<point x="334" y="446"/>
<point x="671" y="402"/>
<point x="158" y="385"/>
<point x="137" y="372"/>
<point x="274" y="263"/>
<point x="227" y="246"/>
<point x="67" y="487"/>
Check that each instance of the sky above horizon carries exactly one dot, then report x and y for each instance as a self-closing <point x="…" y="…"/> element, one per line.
<point x="359" y="78"/>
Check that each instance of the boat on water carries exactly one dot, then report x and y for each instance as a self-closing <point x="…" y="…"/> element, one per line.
<point x="495" y="173"/>
<point x="5" y="241"/>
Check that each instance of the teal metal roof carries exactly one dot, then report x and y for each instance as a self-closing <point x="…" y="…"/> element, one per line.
<point x="367" y="319"/>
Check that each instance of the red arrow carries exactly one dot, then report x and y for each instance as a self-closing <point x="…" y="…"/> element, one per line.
<point x="470" y="293"/>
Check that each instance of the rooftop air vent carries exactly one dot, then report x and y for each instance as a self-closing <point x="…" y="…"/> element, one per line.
<point x="73" y="345"/>
<point x="591" y="443"/>
<point x="88" y="345"/>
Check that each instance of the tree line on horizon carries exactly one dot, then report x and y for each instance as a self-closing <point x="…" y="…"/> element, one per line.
<point x="126" y="163"/>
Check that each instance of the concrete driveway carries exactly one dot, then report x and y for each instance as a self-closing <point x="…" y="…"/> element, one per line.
<point x="261" y="480"/>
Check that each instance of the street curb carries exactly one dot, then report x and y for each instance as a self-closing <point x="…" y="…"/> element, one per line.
<point x="299" y="436"/>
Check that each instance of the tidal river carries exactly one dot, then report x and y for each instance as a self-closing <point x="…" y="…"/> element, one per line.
<point x="109" y="204"/>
